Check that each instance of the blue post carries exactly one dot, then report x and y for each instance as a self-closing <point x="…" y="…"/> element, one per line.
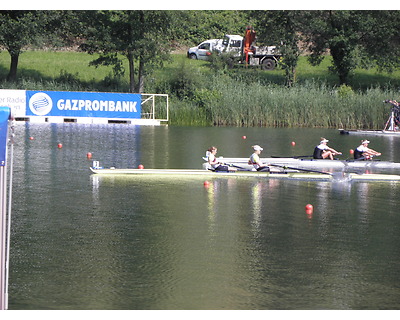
<point x="5" y="115"/>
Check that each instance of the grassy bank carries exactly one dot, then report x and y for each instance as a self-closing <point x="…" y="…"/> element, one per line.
<point x="200" y="95"/>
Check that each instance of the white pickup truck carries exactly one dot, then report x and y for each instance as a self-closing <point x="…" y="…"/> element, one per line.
<point x="205" y="49"/>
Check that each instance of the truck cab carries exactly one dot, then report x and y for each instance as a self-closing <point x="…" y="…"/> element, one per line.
<point x="232" y="43"/>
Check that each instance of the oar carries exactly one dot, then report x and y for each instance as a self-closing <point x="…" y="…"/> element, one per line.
<point x="294" y="157"/>
<point x="235" y="166"/>
<point x="363" y="158"/>
<point x="335" y="174"/>
<point x="232" y="165"/>
<point x="360" y="159"/>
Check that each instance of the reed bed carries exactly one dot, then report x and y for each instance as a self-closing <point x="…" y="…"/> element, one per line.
<point x="187" y="114"/>
<point x="306" y="105"/>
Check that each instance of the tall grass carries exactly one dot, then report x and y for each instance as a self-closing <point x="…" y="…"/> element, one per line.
<point x="200" y="95"/>
<point x="308" y="105"/>
<point x="187" y="114"/>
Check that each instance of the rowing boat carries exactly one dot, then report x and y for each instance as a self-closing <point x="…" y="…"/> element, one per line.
<point x="371" y="132"/>
<point x="314" y="163"/>
<point x="391" y="127"/>
<point x="245" y="174"/>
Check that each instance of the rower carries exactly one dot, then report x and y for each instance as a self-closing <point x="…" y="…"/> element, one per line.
<point x="363" y="152"/>
<point x="322" y="151"/>
<point x="256" y="161"/>
<point x="214" y="163"/>
<point x="207" y="155"/>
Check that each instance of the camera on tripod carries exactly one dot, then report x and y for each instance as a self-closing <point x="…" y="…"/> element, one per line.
<point x="394" y="103"/>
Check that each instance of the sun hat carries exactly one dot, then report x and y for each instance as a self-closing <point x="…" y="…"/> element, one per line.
<point x="257" y="148"/>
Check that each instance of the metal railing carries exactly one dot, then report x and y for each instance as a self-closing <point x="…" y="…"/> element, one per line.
<point x="155" y="109"/>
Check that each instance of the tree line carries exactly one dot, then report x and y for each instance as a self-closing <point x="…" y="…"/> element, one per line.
<point x="146" y="38"/>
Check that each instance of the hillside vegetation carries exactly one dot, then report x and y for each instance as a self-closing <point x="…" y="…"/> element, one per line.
<point x="203" y="93"/>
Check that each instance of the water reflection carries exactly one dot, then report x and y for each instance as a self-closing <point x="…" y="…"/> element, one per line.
<point x="257" y="196"/>
<point x="212" y="192"/>
<point x="83" y="241"/>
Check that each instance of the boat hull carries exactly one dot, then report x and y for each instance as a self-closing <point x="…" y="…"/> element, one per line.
<point x="371" y="132"/>
<point x="244" y="174"/>
<point x="315" y="163"/>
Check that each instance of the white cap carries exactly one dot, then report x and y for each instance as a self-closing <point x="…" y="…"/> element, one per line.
<point x="324" y="140"/>
<point x="365" y="141"/>
<point x="257" y="148"/>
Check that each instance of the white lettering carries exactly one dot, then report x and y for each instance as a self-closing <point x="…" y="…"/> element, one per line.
<point x="60" y="104"/>
<point x="88" y="105"/>
<point x="103" y="106"/>
<point x="67" y="105"/>
<point x="125" y="106"/>
<point x="96" y="105"/>
<point x="133" y="106"/>
<point x="80" y="103"/>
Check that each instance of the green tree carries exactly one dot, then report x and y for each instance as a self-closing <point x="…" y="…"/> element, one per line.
<point x="380" y="39"/>
<point x="18" y="29"/>
<point x="142" y="37"/>
<point x="281" y="28"/>
<point x="353" y="39"/>
<point x="60" y="28"/>
<point x="22" y="29"/>
<point x="195" y="26"/>
<point x="335" y="31"/>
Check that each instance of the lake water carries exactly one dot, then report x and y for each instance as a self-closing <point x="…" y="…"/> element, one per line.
<point x="89" y="242"/>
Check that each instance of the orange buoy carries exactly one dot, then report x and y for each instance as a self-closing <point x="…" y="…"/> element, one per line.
<point x="244" y="137"/>
<point x="31" y="138"/>
<point x="140" y="166"/>
<point x="309" y="208"/>
<point x="89" y="155"/>
<point x="206" y="184"/>
<point x="293" y="143"/>
<point x="59" y="145"/>
<point x="351" y="151"/>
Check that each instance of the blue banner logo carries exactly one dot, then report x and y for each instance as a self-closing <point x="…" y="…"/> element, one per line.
<point x="40" y="104"/>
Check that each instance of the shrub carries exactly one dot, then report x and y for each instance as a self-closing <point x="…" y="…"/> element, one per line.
<point x="345" y="91"/>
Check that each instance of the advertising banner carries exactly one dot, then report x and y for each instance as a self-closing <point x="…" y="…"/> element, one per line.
<point x="83" y="104"/>
<point x="15" y="100"/>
